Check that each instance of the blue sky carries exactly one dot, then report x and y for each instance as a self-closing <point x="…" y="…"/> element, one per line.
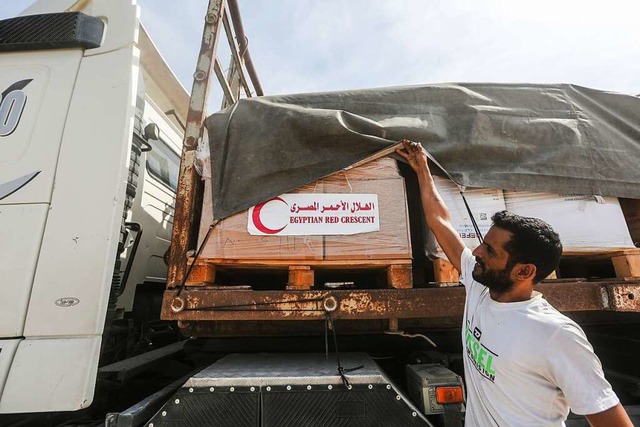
<point x="312" y="45"/>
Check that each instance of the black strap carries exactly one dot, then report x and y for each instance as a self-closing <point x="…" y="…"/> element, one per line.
<point x="204" y="242"/>
<point x="341" y="370"/>
<point x="453" y="414"/>
<point x="326" y="335"/>
<point x="461" y="188"/>
<point x="473" y="220"/>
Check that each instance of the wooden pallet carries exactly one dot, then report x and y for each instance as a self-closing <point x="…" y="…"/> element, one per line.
<point x="302" y="272"/>
<point x="626" y="263"/>
<point x="445" y="274"/>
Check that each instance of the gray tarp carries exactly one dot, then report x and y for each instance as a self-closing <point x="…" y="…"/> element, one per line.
<point x="552" y="138"/>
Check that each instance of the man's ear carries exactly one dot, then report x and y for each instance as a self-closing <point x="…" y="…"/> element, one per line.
<point x="524" y="272"/>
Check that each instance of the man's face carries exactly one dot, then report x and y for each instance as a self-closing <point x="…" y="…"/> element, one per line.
<point x="492" y="267"/>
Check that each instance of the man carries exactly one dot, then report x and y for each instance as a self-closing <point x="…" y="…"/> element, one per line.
<point x="525" y="363"/>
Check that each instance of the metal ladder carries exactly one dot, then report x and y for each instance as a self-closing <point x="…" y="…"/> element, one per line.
<point x="220" y="14"/>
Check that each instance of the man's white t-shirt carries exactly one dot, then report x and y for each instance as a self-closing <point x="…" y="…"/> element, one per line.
<point x="525" y="363"/>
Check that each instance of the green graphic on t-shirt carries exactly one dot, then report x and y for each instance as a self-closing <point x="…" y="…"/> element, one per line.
<point x="480" y="356"/>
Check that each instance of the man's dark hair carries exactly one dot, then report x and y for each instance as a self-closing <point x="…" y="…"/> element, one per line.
<point x="533" y="241"/>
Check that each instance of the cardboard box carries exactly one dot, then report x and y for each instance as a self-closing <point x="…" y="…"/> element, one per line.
<point x="483" y="202"/>
<point x="583" y="222"/>
<point x="230" y="239"/>
<point x="382" y="168"/>
<point x="392" y="241"/>
<point x="631" y="211"/>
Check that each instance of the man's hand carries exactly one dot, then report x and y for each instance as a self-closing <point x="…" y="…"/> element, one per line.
<point x="415" y="155"/>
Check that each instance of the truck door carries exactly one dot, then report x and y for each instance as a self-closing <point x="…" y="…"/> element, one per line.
<point x="68" y="86"/>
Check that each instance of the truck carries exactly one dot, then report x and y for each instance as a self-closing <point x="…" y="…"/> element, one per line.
<point x="108" y="316"/>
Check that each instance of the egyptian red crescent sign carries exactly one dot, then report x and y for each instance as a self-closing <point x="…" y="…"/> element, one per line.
<point x="315" y="214"/>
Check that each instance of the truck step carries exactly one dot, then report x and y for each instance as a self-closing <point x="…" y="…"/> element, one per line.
<point x="132" y="366"/>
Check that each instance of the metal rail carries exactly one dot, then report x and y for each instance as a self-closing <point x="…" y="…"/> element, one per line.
<point x="190" y="188"/>
<point x="244" y="46"/>
<point x="208" y="303"/>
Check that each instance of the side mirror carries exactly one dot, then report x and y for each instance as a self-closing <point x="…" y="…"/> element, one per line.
<point x="151" y="131"/>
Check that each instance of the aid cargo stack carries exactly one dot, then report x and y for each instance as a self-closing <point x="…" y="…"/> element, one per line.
<point x="271" y="236"/>
<point x="593" y="229"/>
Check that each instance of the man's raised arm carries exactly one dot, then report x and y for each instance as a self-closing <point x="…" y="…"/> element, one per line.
<point x="436" y="212"/>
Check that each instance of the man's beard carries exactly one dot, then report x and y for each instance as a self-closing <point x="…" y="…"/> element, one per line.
<point x="496" y="280"/>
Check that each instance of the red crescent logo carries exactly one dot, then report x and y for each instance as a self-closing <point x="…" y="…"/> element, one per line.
<point x="255" y="217"/>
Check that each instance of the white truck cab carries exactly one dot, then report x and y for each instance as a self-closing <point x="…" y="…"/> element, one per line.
<point x="69" y="86"/>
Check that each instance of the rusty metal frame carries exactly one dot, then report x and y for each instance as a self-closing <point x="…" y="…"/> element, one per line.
<point x="188" y="181"/>
<point x="237" y="54"/>
<point x="229" y="97"/>
<point x="190" y="188"/>
<point x="234" y="11"/>
<point x="209" y="303"/>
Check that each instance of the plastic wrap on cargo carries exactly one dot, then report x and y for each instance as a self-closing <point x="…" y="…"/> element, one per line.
<point x="202" y="161"/>
<point x="631" y="211"/>
<point x="484" y="202"/>
<point x="583" y="222"/>
<point x="392" y="241"/>
<point x="231" y="240"/>
<point x="383" y="168"/>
